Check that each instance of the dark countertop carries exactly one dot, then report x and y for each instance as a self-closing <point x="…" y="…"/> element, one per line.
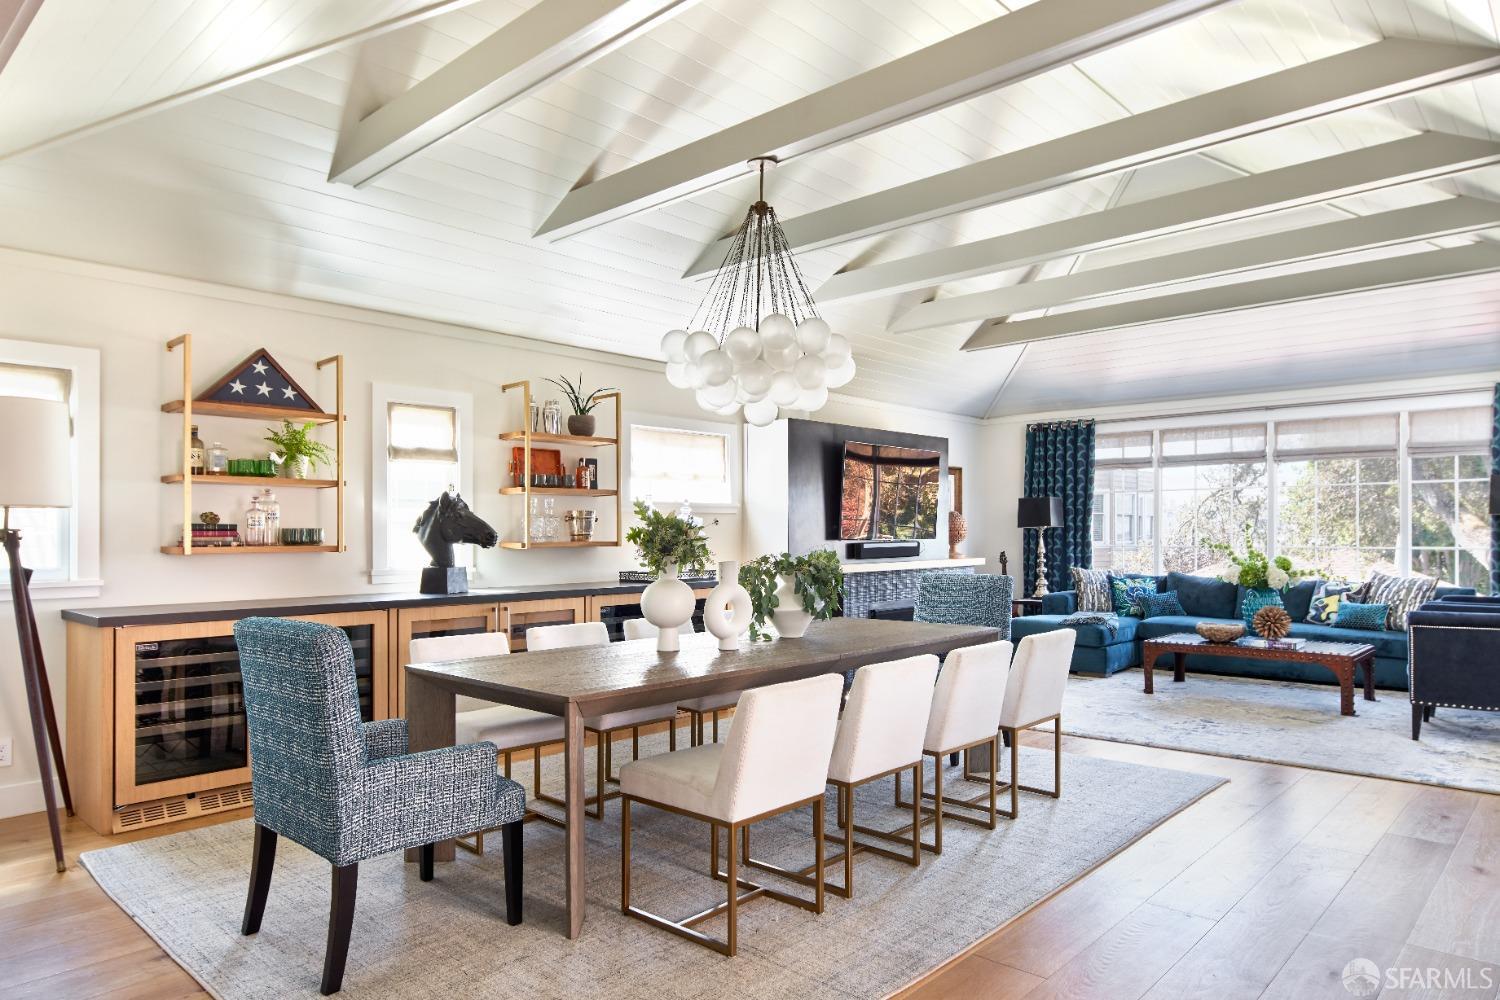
<point x="174" y="614"/>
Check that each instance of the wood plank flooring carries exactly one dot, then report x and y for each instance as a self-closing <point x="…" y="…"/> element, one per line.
<point x="1265" y="888"/>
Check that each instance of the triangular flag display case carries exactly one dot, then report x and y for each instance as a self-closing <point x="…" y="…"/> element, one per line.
<point x="258" y="388"/>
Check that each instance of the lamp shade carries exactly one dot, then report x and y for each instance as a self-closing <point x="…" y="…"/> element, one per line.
<point x="35" y="453"/>
<point x="1039" y="512"/>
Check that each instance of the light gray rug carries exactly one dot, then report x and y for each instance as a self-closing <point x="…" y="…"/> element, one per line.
<point x="448" y="939"/>
<point x="1288" y="723"/>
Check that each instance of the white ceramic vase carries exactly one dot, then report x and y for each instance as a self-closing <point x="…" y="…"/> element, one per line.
<point x="790" y="619"/>
<point x="726" y="611"/>
<point x="668" y="604"/>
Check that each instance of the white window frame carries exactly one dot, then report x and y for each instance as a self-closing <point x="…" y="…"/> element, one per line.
<point x="730" y="431"/>
<point x="382" y="395"/>
<point x="83" y="578"/>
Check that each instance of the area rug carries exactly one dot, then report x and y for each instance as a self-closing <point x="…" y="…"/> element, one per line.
<point x="448" y="938"/>
<point x="1288" y="723"/>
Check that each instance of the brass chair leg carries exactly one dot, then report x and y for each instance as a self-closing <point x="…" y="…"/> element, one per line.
<point x="1015" y="774"/>
<point x="625" y="854"/>
<point x="916" y="813"/>
<point x="733" y="881"/>
<point x="846" y="798"/>
<point x="818" y="855"/>
<point x="716" y="725"/>
<point x="937" y="805"/>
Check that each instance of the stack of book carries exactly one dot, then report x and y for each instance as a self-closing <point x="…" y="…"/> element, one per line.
<point x="215" y="535"/>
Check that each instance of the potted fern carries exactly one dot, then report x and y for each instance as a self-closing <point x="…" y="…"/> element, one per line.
<point x="296" y="451"/>
<point x="792" y="591"/>
<point x="581" y="421"/>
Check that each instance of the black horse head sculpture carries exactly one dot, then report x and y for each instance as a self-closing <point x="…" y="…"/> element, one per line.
<point x="448" y="520"/>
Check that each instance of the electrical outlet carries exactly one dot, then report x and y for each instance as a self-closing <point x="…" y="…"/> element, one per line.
<point x="5" y="751"/>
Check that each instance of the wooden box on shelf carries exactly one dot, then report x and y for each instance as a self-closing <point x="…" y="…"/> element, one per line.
<point x="530" y="440"/>
<point x="191" y="408"/>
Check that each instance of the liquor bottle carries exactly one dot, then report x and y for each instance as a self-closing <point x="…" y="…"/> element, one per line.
<point x="195" y="453"/>
<point x="581" y="476"/>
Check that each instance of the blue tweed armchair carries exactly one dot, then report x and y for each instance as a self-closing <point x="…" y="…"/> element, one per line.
<point x="1453" y="657"/>
<point x="965" y="599"/>
<point x="348" y="790"/>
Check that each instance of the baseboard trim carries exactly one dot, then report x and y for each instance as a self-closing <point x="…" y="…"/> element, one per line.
<point x="24" y="797"/>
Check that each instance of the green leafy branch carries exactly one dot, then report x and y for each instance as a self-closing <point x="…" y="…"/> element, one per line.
<point x="582" y="405"/>
<point x="293" y="443"/>
<point x="816" y="577"/>
<point x="661" y="538"/>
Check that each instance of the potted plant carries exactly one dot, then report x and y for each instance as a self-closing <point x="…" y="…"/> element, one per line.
<point x="581" y="422"/>
<point x="792" y="591"/>
<point x="296" y="451"/>
<point x="1263" y="579"/>
<point x="668" y="545"/>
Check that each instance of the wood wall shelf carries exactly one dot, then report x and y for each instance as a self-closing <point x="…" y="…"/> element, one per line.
<point x="246" y="550"/>
<point x="249" y="411"/>
<point x="573" y="439"/>
<point x="555" y="491"/>
<point x="276" y="481"/>
<point x="558" y="545"/>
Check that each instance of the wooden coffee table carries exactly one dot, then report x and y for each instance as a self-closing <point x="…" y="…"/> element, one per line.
<point x="1342" y="658"/>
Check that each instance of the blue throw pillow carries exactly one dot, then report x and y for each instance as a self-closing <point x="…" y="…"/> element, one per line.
<point x="1157" y="605"/>
<point x="1127" y="593"/>
<point x="1370" y="617"/>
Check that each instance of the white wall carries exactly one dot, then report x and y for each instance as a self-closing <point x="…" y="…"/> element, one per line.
<point x="129" y="316"/>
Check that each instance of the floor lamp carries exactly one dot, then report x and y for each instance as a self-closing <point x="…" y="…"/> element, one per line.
<point x="35" y="464"/>
<point x="1040" y="513"/>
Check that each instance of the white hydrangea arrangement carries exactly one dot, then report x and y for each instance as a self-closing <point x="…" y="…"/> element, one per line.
<point x="1255" y="571"/>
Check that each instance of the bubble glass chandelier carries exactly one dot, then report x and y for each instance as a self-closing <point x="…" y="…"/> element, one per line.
<point x="757" y="341"/>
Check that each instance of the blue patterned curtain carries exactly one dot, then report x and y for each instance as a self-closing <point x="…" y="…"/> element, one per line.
<point x="1060" y="463"/>
<point x="1495" y="521"/>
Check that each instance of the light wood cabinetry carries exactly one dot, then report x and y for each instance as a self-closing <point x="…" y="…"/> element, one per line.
<point x="518" y="616"/>
<point x="426" y="622"/>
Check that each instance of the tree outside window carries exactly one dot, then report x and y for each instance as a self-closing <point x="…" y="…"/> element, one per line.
<point x="1450" y="522"/>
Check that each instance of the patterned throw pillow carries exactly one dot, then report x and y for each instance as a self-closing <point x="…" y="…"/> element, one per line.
<point x="1370" y="617"/>
<point x="1325" y="602"/>
<point x="1157" y="605"/>
<point x="1401" y="594"/>
<point x="1126" y="593"/>
<point x="1092" y="588"/>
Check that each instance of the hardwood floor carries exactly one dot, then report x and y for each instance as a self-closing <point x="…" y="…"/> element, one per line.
<point x="1265" y="888"/>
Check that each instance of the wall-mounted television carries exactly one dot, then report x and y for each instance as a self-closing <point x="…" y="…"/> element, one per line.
<point x="889" y="493"/>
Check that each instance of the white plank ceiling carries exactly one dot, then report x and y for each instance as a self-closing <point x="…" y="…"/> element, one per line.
<point x="232" y="184"/>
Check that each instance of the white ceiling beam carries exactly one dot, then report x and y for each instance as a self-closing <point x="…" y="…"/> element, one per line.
<point x="1007" y="49"/>
<point x="1367" y="232"/>
<point x="1404" y="269"/>
<point x="1371" y="74"/>
<point x="15" y="18"/>
<point x="553" y="38"/>
<point x="255" y="72"/>
<point x="1415" y="158"/>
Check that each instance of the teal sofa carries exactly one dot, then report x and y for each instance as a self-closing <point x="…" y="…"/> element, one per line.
<point x="1208" y="599"/>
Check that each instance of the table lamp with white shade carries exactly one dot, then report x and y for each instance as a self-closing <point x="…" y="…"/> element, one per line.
<point x="35" y="471"/>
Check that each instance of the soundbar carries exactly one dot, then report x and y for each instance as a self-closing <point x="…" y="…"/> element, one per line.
<point x="884" y="550"/>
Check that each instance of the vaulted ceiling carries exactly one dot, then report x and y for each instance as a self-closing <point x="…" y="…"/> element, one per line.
<point x="1114" y="199"/>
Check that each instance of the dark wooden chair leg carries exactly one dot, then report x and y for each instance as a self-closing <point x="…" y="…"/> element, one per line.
<point x="425" y="855"/>
<point x="340" y="920"/>
<point x="1416" y="721"/>
<point x="1428" y="712"/>
<point x="262" y="860"/>
<point x="510" y="845"/>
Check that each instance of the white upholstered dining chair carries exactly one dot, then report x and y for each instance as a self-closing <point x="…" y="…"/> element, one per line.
<point x="965" y="716"/>
<point x="604" y="727"/>
<point x="1034" y="695"/>
<point x="775" y="760"/>
<point x="697" y="709"/>
<point x="513" y="730"/>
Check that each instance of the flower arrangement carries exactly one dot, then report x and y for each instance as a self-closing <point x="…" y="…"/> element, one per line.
<point x="1254" y="570"/>
<point x="666" y="538"/>
<point x="816" y="577"/>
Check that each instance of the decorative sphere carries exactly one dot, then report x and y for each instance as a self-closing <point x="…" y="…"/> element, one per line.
<point x="716" y="367"/>
<point x="713" y="397"/>
<point x="785" y="359"/>
<point x="810" y="373"/>
<point x="728" y="410"/>
<point x="756" y="378"/>
<point x="784" y="389"/>
<point x="812" y="335"/>
<point x="672" y="346"/>
<point x="762" y="413"/>
<point x="699" y="343"/>
<point x="842" y="375"/>
<point x="677" y="374"/>
<point x="811" y="399"/>
<point x="836" y="350"/>
<point x="742" y="345"/>
<point x="694" y="375"/>
<point x="777" y="332"/>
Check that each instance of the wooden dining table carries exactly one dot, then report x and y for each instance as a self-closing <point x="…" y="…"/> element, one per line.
<point x="583" y="682"/>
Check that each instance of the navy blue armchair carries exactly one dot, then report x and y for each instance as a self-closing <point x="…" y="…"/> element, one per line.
<point x="348" y="790"/>
<point x="1453" y="657"/>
